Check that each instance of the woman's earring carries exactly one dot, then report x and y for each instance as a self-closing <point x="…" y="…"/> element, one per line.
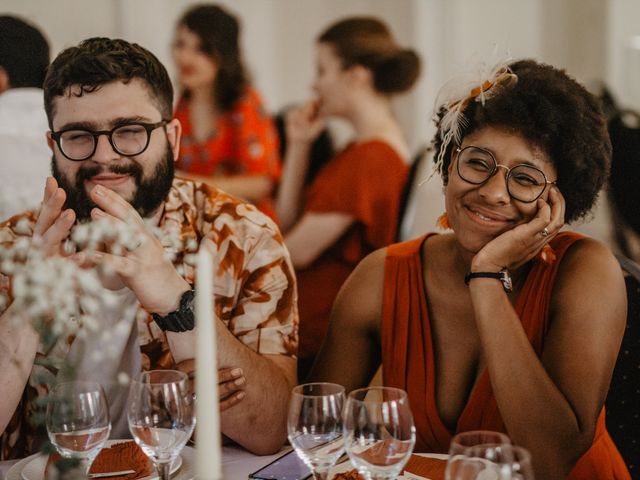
<point x="443" y="222"/>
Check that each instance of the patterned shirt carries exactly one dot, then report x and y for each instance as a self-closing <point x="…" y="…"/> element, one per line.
<point x="244" y="142"/>
<point x="255" y="290"/>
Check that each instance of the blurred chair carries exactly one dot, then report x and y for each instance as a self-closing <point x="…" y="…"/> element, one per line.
<point x="623" y="400"/>
<point x="421" y="156"/>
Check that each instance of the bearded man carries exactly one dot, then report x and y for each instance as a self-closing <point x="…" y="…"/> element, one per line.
<point x="114" y="142"/>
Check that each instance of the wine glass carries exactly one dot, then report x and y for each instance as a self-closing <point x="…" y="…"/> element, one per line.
<point x="160" y="416"/>
<point x="463" y="440"/>
<point x="379" y="431"/>
<point x="498" y="461"/>
<point x="315" y="427"/>
<point x="77" y="420"/>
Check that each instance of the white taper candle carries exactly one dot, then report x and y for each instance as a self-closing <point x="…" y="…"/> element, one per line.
<point x="208" y="453"/>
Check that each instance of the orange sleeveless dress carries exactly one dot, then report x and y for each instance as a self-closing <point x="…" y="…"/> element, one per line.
<point x="408" y="356"/>
<point x="365" y="181"/>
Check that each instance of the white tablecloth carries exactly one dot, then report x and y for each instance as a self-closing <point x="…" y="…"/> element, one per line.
<point x="236" y="464"/>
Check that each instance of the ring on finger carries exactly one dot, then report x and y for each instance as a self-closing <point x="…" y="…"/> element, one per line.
<point x="545" y="232"/>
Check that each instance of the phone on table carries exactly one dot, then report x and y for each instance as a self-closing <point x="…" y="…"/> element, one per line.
<point x="286" y="467"/>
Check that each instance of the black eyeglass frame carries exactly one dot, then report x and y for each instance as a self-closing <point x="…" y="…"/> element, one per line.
<point x="149" y="127"/>
<point x="496" y="165"/>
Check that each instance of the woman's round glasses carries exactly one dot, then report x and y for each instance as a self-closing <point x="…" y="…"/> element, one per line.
<point x="525" y="183"/>
<point x="129" y="140"/>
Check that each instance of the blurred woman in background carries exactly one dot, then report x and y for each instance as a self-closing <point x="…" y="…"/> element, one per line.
<point x="351" y="208"/>
<point x="228" y="141"/>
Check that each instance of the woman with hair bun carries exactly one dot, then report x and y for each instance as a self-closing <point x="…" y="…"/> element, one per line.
<point x="228" y="140"/>
<point x="352" y="206"/>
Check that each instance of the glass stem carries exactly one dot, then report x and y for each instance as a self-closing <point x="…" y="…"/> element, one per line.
<point x="164" y="470"/>
<point x="320" y="473"/>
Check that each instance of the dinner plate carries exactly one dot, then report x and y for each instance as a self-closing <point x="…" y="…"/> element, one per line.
<point x="347" y="465"/>
<point x="34" y="469"/>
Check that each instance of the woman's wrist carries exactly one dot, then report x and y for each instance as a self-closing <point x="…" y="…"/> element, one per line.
<point x="478" y="264"/>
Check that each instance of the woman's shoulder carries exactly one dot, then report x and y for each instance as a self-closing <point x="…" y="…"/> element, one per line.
<point x="371" y="153"/>
<point x="587" y="264"/>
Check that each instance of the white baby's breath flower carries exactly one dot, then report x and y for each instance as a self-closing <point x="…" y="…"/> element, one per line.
<point x="192" y="245"/>
<point x="21" y="246"/>
<point x="23" y="227"/>
<point x="122" y="328"/>
<point x="97" y="355"/>
<point x="123" y="379"/>
<point x="7" y="267"/>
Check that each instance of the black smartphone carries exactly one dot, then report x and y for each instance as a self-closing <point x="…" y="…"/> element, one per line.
<point x="286" y="467"/>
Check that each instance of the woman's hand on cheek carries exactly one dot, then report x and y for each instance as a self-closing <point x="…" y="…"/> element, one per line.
<point x="517" y="246"/>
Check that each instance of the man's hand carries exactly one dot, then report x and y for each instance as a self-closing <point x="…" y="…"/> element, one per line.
<point x="143" y="269"/>
<point x="231" y="383"/>
<point x="53" y="224"/>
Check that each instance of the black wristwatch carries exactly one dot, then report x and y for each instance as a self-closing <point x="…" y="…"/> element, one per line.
<point x="503" y="276"/>
<point x="179" y="320"/>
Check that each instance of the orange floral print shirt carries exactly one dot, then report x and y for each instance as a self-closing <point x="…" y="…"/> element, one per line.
<point x="254" y="285"/>
<point x="244" y="142"/>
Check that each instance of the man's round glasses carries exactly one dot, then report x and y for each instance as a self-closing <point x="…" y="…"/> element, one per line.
<point x="525" y="183"/>
<point x="129" y="140"/>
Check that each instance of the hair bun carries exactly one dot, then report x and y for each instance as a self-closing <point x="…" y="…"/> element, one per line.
<point x="397" y="72"/>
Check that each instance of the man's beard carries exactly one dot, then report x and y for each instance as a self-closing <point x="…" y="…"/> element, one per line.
<point x="148" y="196"/>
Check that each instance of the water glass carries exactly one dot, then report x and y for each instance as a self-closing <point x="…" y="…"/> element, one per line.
<point x="491" y="462"/>
<point x="77" y="420"/>
<point x="379" y="431"/>
<point x="314" y="425"/>
<point x="463" y="440"/>
<point x="161" y="416"/>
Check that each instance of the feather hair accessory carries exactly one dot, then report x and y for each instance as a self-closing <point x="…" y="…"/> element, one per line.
<point x="456" y="95"/>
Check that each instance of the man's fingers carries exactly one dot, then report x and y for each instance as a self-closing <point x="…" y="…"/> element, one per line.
<point x="50" y="210"/>
<point x="56" y="233"/>
<point x="115" y="205"/>
<point x="123" y="266"/>
<point x="232" y="400"/>
<point x="229" y="374"/>
<point x="227" y="388"/>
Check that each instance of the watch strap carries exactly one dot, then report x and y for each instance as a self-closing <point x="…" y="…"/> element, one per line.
<point x="503" y="276"/>
<point x="180" y="320"/>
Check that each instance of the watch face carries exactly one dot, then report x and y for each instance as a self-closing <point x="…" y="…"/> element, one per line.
<point x="506" y="281"/>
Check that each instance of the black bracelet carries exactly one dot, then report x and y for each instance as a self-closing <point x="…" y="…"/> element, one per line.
<point x="180" y="320"/>
<point x="503" y="276"/>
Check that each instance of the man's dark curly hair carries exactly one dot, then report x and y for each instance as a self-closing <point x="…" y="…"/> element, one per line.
<point x="554" y="112"/>
<point x="98" y="61"/>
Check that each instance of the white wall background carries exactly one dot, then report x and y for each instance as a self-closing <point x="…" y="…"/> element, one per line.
<point x="592" y="39"/>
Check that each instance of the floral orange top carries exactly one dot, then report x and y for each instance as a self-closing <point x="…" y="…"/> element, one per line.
<point x="244" y="142"/>
<point x="255" y="290"/>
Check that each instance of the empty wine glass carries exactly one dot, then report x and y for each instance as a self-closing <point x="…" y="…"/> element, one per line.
<point x="160" y="416"/>
<point x="379" y="431"/>
<point x="463" y="440"/>
<point x="491" y="462"/>
<point x="77" y="420"/>
<point x="315" y="425"/>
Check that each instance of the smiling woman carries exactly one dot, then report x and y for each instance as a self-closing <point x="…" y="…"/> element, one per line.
<point x="484" y="320"/>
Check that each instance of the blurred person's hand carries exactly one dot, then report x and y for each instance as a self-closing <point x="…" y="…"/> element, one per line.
<point x="303" y="124"/>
